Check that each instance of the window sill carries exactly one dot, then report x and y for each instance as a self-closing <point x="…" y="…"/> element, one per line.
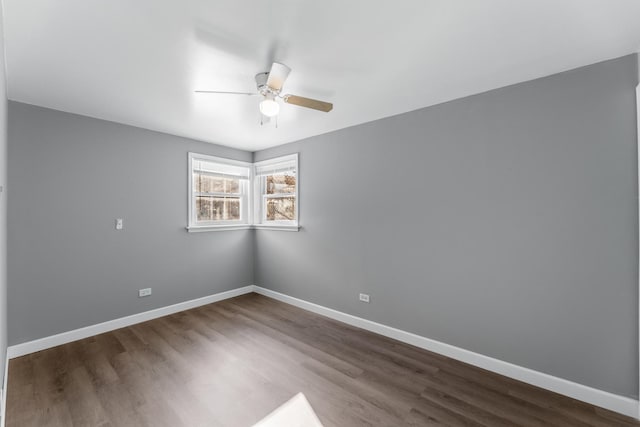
<point x="277" y="227"/>
<point x="203" y="229"/>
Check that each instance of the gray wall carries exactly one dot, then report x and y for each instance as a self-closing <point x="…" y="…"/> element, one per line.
<point x="70" y="177"/>
<point x="3" y="205"/>
<point x="504" y="223"/>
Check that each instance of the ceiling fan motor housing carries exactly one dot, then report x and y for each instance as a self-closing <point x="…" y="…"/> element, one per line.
<point x="261" y="84"/>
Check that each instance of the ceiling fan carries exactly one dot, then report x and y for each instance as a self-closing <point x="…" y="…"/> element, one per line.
<point x="269" y="85"/>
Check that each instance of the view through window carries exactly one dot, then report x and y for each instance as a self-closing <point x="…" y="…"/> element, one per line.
<point x="216" y="198"/>
<point x="280" y="199"/>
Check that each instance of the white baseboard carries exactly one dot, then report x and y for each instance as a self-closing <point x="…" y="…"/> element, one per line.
<point x="604" y="399"/>
<point x="88" y="331"/>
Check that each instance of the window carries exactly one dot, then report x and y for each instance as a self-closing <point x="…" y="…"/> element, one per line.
<point x="218" y="192"/>
<point x="228" y="194"/>
<point x="276" y="192"/>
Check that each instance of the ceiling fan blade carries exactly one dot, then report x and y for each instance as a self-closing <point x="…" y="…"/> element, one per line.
<point x="227" y="93"/>
<point x="277" y="76"/>
<point x="308" y="103"/>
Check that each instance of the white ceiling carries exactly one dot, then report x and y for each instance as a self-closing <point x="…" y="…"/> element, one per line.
<point x="139" y="61"/>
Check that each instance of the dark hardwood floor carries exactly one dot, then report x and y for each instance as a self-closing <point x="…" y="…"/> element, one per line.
<point x="233" y="362"/>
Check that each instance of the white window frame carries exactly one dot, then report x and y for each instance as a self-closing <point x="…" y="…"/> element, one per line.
<point x="259" y="196"/>
<point x="250" y="200"/>
<point x="246" y="210"/>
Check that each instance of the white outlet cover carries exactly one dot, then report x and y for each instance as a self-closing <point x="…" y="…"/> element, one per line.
<point x="144" y="292"/>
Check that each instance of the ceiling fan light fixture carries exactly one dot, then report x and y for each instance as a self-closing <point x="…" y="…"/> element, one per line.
<point x="269" y="107"/>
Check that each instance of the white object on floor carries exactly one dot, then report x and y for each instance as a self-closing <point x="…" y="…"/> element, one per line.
<point x="296" y="412"/>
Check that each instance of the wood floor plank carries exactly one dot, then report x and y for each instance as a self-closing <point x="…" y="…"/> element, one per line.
<point x="465" y="409"/>
<point x="233" y="362"/>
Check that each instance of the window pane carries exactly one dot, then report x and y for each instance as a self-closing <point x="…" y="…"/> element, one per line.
<point x="281" y="209"/>
<point x="204" y="183"/>
<point x="281" y="184"/>
<point x="217" y="208"/>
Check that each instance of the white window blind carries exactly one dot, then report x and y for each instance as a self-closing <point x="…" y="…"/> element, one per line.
<point x="276" y="168"/>
<point x="220" y="169"/>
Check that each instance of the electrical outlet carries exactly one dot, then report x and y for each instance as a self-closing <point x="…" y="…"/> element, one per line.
<point x="119" y="224"/>
<point x="144" y="292"/>
<point x="364" y="298"/>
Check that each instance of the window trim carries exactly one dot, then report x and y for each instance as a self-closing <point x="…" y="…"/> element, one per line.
<point x="245" y="197"/>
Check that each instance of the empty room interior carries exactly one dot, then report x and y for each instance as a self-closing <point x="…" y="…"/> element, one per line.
<point x="340" y="213"/>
